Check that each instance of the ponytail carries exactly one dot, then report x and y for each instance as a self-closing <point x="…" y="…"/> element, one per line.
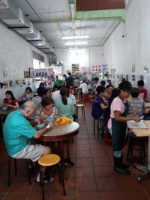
<point x="64" y="93"/>
<point x="64" y="100"/>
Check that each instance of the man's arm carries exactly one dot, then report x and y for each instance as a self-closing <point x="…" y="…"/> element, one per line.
<point x="42" y="131"/>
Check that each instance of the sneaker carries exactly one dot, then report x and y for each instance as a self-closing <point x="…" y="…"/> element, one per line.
<point x="47" y="179"/>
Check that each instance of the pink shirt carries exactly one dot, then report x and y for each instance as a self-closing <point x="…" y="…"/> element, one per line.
<point x="117" y="105"/>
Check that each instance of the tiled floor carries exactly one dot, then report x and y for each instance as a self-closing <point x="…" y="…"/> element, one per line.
<point x="92" y="178"/>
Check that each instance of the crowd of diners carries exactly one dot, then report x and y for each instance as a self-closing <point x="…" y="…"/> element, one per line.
<point x="115" y="105"/>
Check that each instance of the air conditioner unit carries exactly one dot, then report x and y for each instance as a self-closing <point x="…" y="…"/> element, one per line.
<point x="24" y="31"/>
<point x="18" y="21"/>
<point x="3" y="4"/>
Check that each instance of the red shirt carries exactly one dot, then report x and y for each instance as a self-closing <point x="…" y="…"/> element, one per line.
<point x="70" y="91"/>
<point x="11" y="102"/>
<point x="143" y="91"/>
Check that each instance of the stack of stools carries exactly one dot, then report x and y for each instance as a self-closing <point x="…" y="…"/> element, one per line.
<point x="82" y="108"/>
<point x="51" y="160"/>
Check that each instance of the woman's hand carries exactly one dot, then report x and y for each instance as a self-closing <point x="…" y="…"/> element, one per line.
<point x="44" y="117"/>
<point x="136" y="119"/>
<point x="37" y="121"/>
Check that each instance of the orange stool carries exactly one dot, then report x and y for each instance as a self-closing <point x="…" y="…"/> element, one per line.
<point x="51" y="160"/>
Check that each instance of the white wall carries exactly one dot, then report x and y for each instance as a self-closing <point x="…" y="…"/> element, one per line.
<point x="16" y="57"/>
<point x="85" y="57"/>
<point x="133" y="49"/>
<point x="122" y="52"/>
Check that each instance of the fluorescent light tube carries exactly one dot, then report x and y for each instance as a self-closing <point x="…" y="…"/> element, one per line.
<point x="75" y="43"/>
<point x="74" y="37"/>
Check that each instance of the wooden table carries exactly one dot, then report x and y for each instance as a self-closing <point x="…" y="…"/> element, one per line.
<point x="147" y="105"/>
<point x="143" y="133"/>
<point x="60" y="134"/>
<point x="4" y="114"/>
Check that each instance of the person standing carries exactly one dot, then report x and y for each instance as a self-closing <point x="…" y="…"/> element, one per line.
<point x="58" y="82"/>
<point x="70" y="79"/>
<point x="118" y="121"/>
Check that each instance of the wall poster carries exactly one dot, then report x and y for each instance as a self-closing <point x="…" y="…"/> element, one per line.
<point x="75" y="68"/>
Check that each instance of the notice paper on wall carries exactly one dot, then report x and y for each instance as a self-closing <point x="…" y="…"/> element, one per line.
<point x="137" y="125"/>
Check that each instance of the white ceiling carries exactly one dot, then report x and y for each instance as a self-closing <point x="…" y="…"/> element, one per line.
<point x="53" y="18"/>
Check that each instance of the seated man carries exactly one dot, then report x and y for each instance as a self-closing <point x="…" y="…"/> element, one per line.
<point x="18" y="133"/>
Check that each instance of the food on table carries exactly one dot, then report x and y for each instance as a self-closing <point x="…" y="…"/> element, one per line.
<point x="62" y="121"/>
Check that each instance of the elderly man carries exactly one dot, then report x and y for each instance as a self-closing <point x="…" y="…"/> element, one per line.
<point x="18" y="133"/>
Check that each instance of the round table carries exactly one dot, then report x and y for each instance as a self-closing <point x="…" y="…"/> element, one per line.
<point x="59" y="135"/>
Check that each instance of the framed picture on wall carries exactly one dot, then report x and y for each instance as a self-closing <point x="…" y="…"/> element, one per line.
<point x="31" y="72"/>
<point x="26" y="74"/>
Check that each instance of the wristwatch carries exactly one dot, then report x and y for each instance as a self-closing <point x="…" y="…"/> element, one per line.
<point x="48" y="126"/>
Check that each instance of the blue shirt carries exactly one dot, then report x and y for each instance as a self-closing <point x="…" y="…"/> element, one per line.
<point x="17" y="132"/>
<point x="97" y="111"/>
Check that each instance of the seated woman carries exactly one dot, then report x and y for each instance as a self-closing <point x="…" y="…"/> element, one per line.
<point x="135" y="104"/>
<point x="28" y="95"/>
<point x="47" y="112"/>
<point x="108" y="92"/>
<point x="99" y="105"/>
<point x="10" y="101"/>
<point x="65" y="105"/>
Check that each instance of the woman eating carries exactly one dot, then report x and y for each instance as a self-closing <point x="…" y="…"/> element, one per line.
<point x="10" y="101"/>
<point x="28" y="95"/>
<point x="47" y="112"/>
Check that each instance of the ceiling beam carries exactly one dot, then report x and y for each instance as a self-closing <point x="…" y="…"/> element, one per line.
<point x="101" y="14"/>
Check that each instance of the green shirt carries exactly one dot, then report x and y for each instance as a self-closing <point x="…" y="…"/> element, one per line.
<point x="17" y="132"/>
<point x="65" y="110"/>
<point x="58" y="83"/>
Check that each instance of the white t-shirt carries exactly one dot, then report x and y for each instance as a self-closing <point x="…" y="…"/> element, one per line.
<point x="84" y="88"/>
<point x="56" y="95"/>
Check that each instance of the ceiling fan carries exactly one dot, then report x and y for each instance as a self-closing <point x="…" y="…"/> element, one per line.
<point x="74" y="27"/>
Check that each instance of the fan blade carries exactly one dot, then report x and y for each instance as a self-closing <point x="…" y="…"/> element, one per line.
<point x="88" y="26"/>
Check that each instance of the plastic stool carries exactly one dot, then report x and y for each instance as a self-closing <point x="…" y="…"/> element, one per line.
<point x="51" y="160"/>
